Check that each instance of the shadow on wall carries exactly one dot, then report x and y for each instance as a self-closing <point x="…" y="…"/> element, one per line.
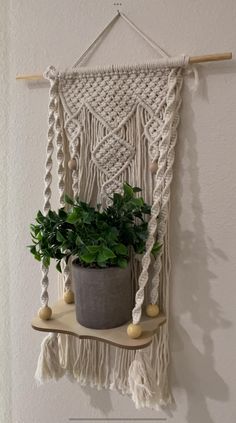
<point x="193" y="368"/>
<point x="99" y="400"/>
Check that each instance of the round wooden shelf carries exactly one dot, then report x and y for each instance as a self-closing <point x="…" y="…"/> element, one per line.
<point x="64" y="321"/>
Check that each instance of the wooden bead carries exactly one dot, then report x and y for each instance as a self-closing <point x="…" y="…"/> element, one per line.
<point x="134" y="331"/>
<point x="153" y="167"/>
<point x="69" y="297"/>
<point x="45" y="313"/>
<point x="152" y="310"/>
<point x="72" y="164"/>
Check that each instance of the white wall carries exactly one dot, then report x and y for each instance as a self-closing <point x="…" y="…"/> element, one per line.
<point x="203" y="231"/>
<point x="5" y="379"/>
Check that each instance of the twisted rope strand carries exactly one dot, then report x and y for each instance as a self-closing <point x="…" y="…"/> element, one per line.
<point x="52" y="76"/>
<point x="61" y="181"/>
<point x="60" y="154"/>
<point x="163" y="217"/>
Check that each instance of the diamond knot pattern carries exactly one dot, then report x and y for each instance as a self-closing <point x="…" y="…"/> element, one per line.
<point x="112" y="164"/>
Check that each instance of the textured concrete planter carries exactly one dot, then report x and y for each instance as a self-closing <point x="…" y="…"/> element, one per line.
<point x="103" y="297"/>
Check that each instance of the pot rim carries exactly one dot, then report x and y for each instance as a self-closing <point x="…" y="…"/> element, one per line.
<point x="110" y="268"/>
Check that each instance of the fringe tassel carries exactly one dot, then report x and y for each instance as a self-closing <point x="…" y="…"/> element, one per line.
<point x="142" y="383"/>
<point x="48" y="366"/>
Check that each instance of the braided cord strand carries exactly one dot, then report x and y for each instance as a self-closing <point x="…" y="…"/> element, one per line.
<point x="61" y="180"/>
<point x="75" y="179"/>
<point x="60" y="154"/>
<point x="51" y="75"/>
<point x="164" y="213"/>
<point x="157" y="194"/>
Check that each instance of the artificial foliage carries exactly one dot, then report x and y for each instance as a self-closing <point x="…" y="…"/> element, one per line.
<point x="95" y="237"/>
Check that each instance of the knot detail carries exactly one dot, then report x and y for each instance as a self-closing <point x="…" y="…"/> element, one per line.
<point x="51" y="73"/>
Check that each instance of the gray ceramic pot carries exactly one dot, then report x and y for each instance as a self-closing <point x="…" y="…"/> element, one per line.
<point x="103" y="297"/>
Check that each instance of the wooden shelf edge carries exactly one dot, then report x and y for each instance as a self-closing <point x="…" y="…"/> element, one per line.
<point x="130" y="347"/>
<point x="64" y="321"/>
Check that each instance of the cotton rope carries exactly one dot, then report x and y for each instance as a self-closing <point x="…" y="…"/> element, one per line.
<point x="154" y="45"/>
<point x="113" y="121"/>
<point x="51" y="75"/>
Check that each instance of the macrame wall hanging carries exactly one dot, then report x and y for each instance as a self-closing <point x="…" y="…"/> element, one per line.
<point x="111" y="125"/>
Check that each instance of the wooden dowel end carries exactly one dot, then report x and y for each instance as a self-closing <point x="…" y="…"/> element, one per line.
<point x="33" y="77"/>
<point x="210" y="58"/>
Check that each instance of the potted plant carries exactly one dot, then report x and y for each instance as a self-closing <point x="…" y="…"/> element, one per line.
<point x="99" y="242"/>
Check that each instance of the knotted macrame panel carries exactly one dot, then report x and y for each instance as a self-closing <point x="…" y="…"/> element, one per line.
<point x="114" y="122"/>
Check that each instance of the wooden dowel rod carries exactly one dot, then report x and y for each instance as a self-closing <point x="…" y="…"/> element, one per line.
<point x="210" y="58"/>
<point x="193" y="59"/>
<point x="33" y="77"/>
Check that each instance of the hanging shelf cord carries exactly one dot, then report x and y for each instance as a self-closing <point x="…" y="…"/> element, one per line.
<point x="109" y="26"/>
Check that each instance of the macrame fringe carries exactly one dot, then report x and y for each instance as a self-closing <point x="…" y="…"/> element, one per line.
<point x="49" y="366"/>
<point x="85" y="360"/>
<point x="120" y="372"/>
<point x="138" y="374"/>
<point x="143" y="387"/>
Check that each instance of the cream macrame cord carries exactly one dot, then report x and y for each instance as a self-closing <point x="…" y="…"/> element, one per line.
<point x="51" y="75"/>
<point x="113" y="122"/>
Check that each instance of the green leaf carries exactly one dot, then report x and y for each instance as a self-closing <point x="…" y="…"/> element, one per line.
<point x="68" y="200"/>
<point x="40" y="217"/>
<point x="111" y="235"/>
<point x="128" y="191"/>
<point x="51" y="215"/>
<point x="58" y="266"/>
<point x="32" y="248"/>
<point x="94" y="249"/>
<point x="35" y="229"/>
<point x="46" y="261"/>
<point x="86" y="217"/>
<point x="146" y="209"/>
<point x="60" y="237"/>
<point x="136" y="189"/>
<point x="72" y="217"/>
<point x="37" y="256"/>
<point x="137" y="202"/>
<point x="88" y="258"/>
<point x="105" y="254"/>
<point x="64" y="247"/>
<point x="39" y="236"/>
<point x="79" y="241"/>
<point x="121" y="249"/>
<point x="122" y="262"/>
<point x="156" y="248"/>
<point x="62" y="214"/>
<point x="117" y="199"/>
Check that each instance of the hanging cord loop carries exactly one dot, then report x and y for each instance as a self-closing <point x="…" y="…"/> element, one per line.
<point x="154" y="45"/>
